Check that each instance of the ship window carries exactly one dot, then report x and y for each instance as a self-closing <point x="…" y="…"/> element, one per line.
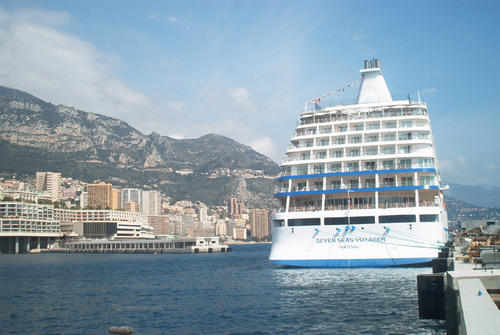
<point x="339" y="141"/>
<point x="370" y="183"/>
<point x="405" y="163"/>
<point x="406" y="124"/>
<point x="426" y="180"/>
<point x="429" y="218"/>
<point x="389" y="137"/>
<point x="390" y="125"/>
<point x="318" y="185"/>
<point x="388" y="165"/>
<point x="278" y="223"/>
<point x="335" y="221"/>
<point x="353" y="184"/>
<point x="337" y="154"/>
<point x="397" y="218"/>
<point x="335" y="185"/>
<point x="406" y="181"/>
<point x="303" y="222"/>
<point x="335" y="167"/>
<point x="425" y="162"/>
<point x="370" y="166"/>
<point x="353" y="166"/>
<point x="302" y="169"/>
<point x="355" y="139"/>
<point x="319" y="168"/>
<point x="351" y="220"/>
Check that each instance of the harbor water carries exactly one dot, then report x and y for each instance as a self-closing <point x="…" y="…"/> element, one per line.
<point x="240" y="292"/>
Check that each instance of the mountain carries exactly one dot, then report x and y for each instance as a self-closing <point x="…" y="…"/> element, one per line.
<point x="39" y="136"/>
<point x="480" y="195"/>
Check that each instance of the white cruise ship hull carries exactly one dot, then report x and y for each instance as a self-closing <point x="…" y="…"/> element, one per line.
<point x="368" y="245"/>
<point x="360" y="185"/>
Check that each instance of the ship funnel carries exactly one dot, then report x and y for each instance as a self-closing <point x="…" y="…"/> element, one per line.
<point x="373" y="87"/>
<point x="372" y="64"/>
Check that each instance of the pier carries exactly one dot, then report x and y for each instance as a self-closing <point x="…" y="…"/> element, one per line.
<point x="158" y="246"/>
<point x="464" y="294"/>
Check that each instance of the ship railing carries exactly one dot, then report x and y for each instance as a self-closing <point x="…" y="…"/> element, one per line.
<point x="379" y="167"/>
<point x="424" y="203"/>
<point x="397" y="205"/>
<point x="304" y="209"/>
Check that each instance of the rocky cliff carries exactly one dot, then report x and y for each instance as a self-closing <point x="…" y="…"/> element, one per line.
<point x="39" y="136"/>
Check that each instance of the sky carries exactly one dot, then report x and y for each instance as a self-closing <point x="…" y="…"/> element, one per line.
<point x="244" y="69"/>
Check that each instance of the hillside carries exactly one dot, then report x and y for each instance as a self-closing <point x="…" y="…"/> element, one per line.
<point x="39" y="136"/>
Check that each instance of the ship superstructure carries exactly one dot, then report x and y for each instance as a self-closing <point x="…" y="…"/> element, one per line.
<point x="360" y="184"/>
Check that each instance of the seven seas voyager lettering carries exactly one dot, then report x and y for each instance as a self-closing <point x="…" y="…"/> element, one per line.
<point x="350" y="239"/>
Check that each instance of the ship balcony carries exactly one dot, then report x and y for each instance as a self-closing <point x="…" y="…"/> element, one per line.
<point x="393" y="205"/>
<point x="358" y="186"/>
<point x="371" y="167"/>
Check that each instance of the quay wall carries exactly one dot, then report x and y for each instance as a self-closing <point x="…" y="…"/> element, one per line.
<point x="463" y="294"/>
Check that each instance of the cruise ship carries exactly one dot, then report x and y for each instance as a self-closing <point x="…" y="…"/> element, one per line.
<point x="360" y="185"/>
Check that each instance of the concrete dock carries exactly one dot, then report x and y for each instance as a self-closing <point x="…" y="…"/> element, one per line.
<point x="466" y="296"/>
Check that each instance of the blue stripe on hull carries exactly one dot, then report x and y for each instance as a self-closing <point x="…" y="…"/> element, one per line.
<point x="354" y="263"/>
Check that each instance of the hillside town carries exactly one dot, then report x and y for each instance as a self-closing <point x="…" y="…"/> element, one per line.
<point x="65" y="209"/>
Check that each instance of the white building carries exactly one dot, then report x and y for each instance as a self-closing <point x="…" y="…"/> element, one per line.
<point x="151" y="203"/>
<point x="49" y="182"/>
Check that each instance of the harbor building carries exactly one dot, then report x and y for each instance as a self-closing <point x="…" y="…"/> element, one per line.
<point x="25" y="226"/>
<point x="103" y="224"/>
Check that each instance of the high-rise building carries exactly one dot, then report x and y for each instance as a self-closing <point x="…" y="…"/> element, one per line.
<point x="116" y="199"/>
<point x="99" y="195"/>
<point x="151" y="204"/>
<point x="234" y="208"/>
<point x="161" y="224"/>
<point x="132" y="194"/>
<point x="259" y="223"/>
<point x="49" y="182"/>
<point x="131" y="207"/>
<point x="202" y="217"/>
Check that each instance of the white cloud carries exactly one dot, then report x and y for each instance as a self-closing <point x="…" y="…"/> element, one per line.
<point x="172" y="18"/>
<point x="430" y="90"/>
<point x="154" y="15"/>
<point x="265" y="146"/>
<point x="177" y="105"/>
<point x="42" y="59"/>
<point x="462" y="160"/>
<point x="490" y="167"/>
<point x="241" y="98"/>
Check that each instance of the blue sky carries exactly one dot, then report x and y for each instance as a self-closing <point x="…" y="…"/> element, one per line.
<point x="244" y="69"/>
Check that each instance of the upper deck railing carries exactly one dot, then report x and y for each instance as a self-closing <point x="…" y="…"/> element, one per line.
<point x="323" y="105"/>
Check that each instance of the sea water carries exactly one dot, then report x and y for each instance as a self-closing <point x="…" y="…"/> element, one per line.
<point x="240" y="292"/>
